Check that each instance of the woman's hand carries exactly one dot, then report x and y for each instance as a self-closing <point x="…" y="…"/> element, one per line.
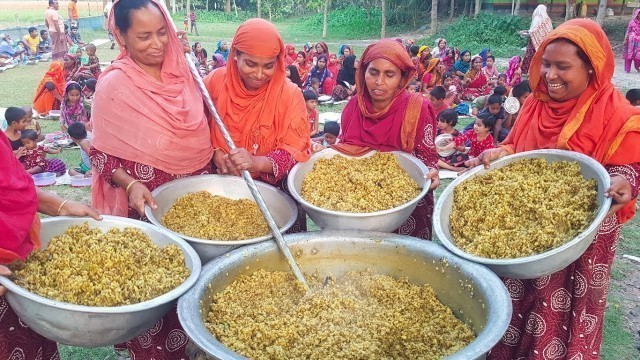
<point x="486" y="157"/>
<point x="139" y="195"/>
<point x="620" y="192"/>
<point x="74" y="208"/>
<point x="182" y="35"/>
<point x="223" y="164"/>
<point x="434" y="176"/>
<point x="241" y="159"/>
<point x="4" y="271"/>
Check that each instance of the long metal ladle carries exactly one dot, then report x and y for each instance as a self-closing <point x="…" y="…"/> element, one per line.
<point x="284" y="248"/>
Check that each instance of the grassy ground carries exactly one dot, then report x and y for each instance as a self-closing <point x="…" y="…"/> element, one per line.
<point x="18" y="85"/>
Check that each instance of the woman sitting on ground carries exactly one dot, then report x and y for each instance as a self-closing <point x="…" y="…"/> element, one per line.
<point x="475" y="82"/>
<point x="49" y="93"/>
<point x="322" y="73"/>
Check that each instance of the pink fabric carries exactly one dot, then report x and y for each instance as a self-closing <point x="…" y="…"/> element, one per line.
<point x="135" y="117"/>
<point x="632" y="46"/>
<point x="72" y="113"/>
<point x="514" y="63"/>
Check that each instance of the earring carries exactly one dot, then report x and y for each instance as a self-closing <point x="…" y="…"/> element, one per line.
<point x="590" y="71"/>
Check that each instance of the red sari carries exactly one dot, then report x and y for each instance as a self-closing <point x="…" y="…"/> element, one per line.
<point x="479" y="86"/>
<point x="561" y="316"/>
<point x="408" y="124"/>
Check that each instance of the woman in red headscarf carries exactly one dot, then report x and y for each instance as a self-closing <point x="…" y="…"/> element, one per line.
<point x="385" y="117"/>
<point x="290" y="55"/>
<point x="432" y="76"/>
<point x="149" y="127"/>
<point x="20" y="229"/>
<point x="574" y="107"/>
<point x="265" y="114"/>
<point x="49" y="93"/>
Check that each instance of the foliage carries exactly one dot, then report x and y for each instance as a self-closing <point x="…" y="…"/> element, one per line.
<point x="216" y="16"/>
<point x="496" y="32"/>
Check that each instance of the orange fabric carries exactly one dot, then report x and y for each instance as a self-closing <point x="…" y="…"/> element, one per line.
<point x="161" y="124"/>
<point x="44" y="101"/>
<point x="74" y="10"/>
<point x="389" y="50"/>
<point x="270" y="118"/>
<point x="600" y="122"/>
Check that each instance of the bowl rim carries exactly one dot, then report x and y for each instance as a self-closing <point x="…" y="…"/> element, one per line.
<point x="298" y="197"/>
<point x="294" y="213"/>
<point x="165" y="298"/>
<point x="450" y="244"/>
<point x="44" y="175"/>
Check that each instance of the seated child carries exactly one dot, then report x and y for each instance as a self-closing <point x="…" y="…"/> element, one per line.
<point x="72" y="107"/>
<point x="16" y="122"/>
<point x="502" y="81"/>
<point x="74" y="35"/>
<point x="32" y="40"/>
<point x="34" y="160"/>
<point x="520" y="92"/>
<point x="633" y="96"/>
<point x="496" y="110"/>
<point x="453" y="96"/>
<point x="314" y="85"/>
<point x="438" y="98"/>
<point x="331" y="132"/>
<point x="311" y="101"/>
<point x="32" y="124"/>
<point x="413" y="86"/>
<point x="490" y="71"/>
<point x="93" y="61"/>
<point x="447" y="121"/>
<point x="480" y="139"/>
<point x="480" y="103"/>
<point x="79" y="135"/>
<point x="44" y="48"/>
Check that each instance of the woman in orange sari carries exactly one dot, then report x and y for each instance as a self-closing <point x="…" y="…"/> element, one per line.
<point x="49" y="93"/>
<point x="574" y="107"/>
<point x="386" y="117"/>
<point x="149" y="127"/>
<point x="265" y="114"/>
<point x="432" y="76"/>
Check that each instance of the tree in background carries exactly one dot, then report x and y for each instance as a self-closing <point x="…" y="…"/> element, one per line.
<point x="602" y="9"/>
<point x="570" y="10"/>
<point x="434" y="16"/>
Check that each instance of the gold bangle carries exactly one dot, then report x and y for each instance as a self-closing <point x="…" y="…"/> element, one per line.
<point x="60" y="207"/>
<point x="129" y="186"/>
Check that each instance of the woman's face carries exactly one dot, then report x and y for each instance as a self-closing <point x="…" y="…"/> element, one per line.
<point x="319" y="49"/>
<point x="383" y="80"/>
<point x="147" y="38"/>
<point x="73" y="96"/>
<point x="466" y="57"/>
<point x="256" y="71"/>
<point x="322" y="63"/>
<point x="69" y="62"/>
<point x="224" y="46"/>
<point x="199" y="47"/>
<point x="440" y="69"/>
<point x="300" y="59"/>
<point x="565" y="74"/>
<point x="287" y="72"/>
<point x="346" y="52"/>
<point x="333" y="59"/>
<point x="477" y="64"/>
<point x="442" y="44"/>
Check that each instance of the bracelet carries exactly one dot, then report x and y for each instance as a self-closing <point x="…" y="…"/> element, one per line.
<point x="130" y="185"/>
<point x="60" y="207"/>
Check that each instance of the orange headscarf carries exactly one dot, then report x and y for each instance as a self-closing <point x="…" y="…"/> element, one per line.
<point x="44" y="101"/>
<point x="270" y="118"/>
<point x="600" y="122"/>
<point x="161" y="124"/>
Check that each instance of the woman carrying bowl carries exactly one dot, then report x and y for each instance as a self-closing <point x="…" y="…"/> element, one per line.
<point x="385" y="117"/>
<point x="264" y="113"/>
<point x="20" y="228"/>
<point x="149" y="127"/>
<point x="574" y="107"/>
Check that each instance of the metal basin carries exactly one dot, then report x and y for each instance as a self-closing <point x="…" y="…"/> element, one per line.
<point x="90" y="326"/>
<point x="539" y="265"/>
<point x="474" y="293"/>
<point x="282" y="208"/>
<point x="385" y="220"/>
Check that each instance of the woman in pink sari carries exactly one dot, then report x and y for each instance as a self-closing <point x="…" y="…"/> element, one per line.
<point x="149" y="127"/>
<point x="476" y="83"/>
<point x="632" y="43"/>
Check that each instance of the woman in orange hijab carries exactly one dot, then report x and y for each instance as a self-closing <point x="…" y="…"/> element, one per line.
<point x="265" y="114"/>
<point x="149" y="127"/>
<point x="386" y="117"/>
<point x="574" y="107"/>
<point x="49" y="93"/>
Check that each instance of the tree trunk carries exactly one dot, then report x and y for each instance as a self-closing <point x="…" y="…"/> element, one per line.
<point x="383" y="32"/>
<point x="188" y="15"/>
<point x="227" y="6"/>
<point x="235" y="7"/>
<point x="434" y="17"/>
<point x="270" y="12"/>
<point x="570" y="10"/>
<point x="602" y="10"/>
<point x="324" y="23"/>
<point x="467" y="5"/>
<point x="173" y="6"/>
<point x="451" y="10"/>
<point x="517" y="8"/>
<point x="477" y="8"/>
<point x="259" y="12"/>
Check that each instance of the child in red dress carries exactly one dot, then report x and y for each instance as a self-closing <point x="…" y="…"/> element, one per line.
<point x="479" y="138"/>
<point x="35" y="161"/>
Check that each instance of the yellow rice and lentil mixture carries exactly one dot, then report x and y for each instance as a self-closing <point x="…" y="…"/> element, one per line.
<point x="365" y="185"/>
<point x="522" y="209"/>
<point x="362" y="315"/>
<point x="203" y="215"/>
<point x="85" y="266"/>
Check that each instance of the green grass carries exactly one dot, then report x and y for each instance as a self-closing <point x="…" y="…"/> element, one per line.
<point x="618" y="343"/>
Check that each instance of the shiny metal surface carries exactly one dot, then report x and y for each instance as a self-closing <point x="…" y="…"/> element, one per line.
<point x="535" y="266"/>
<point x="474" y="293"/>
<point x="281" y="206"/>
<point x="386" y="220"/>
<point x="88" y="326"/>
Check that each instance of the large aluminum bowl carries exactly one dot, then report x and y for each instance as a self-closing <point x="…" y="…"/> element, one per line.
<point x="474" y="293"/>
<point x="282" y="208"/>
<point x="90" y="326"/>
<point x="539" y="265"/>
<point x="385" y="220"/>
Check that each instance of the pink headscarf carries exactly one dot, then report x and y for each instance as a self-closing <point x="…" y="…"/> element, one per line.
<point x="138" y="118"/>
<point x="514" y="63"/>
<point x="634" y="25"/>
<point x="72" y="113"/>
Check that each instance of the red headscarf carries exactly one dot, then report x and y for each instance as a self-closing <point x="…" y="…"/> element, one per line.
<point x="290" y="55"/>
<point x="157" y="123"/>
<point x="600" y="122"/>
<point x="391" y="128"/>
<point x="19" y="222"/>
<point x="270" y="118"/>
